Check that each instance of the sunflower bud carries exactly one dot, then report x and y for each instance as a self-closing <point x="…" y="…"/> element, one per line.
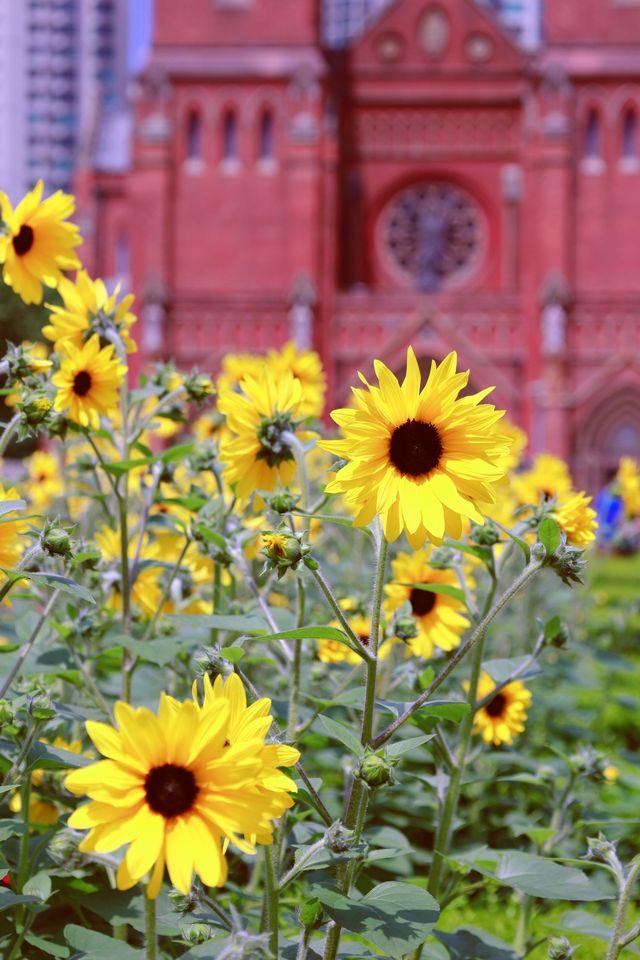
<point x="376" y="769"/>
<point x="283" y="502"/>
<point x="566" y="561"/>
<point x="283" y="551"/>
<point x="35" y="407"/>
<point x="185" y="902"/>
<point x="338" y="837"/>
<point x="56" y="540"/>
<point x="559" y="949"/>
<point x="198" y="387"/>
<point x="405" y="627"/>
<point x="22" y="363"/>
<point x="441" y="558"/>
<point x="196" y="932"/>
<point x="485" y="535"/>
<point x="599" y="848"/>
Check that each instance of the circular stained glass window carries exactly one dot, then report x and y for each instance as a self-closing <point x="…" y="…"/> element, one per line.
<point x="431" y="233"/>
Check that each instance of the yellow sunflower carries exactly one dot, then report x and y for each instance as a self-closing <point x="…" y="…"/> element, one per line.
<point x="88" y="382"/>
<point x="577" y="519"/>
<point x="306" y="367"/>
<point x="88" y="307"/>
<point x="420" y="458"/>
<point x="12" y="543"/>
<point x="504" y="716"/>
<point x="519" y="441"/>
<point x="42" y="812"/>
<point x="208" y="426"/>
<point x="145" y="590"/>
<point x="549" y="477"/>
<point x="175" y="788"/>
<point x="45" y="482"/>
<point x="255" y="455"/>
<point x="237" y="366"/>
<point x="440" y="619"/>
<point x="628" y="483"/>
<point x="35" y="244"/>
<point x="332" y="651"/>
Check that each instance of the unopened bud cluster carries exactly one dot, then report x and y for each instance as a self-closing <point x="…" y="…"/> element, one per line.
<point x="376" y="769"/>
<point x="560" y="949"/>
<point x="283" y="551"/>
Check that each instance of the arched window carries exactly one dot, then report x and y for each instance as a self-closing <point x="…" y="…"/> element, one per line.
<point x="230" y="136"/>
<point x="266" y="146"/>
<point x="630" y="135"/>
<point x="592" y="145"/>
<point x="194" y="136"/>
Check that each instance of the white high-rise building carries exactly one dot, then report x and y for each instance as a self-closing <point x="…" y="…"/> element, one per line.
<point x="61" y="63"/>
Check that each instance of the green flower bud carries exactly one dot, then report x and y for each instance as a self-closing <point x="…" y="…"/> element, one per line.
<point x="405" y="627"/>
<point x="485" y="535"/>
<point x="441" y="558"/>
<point x="198" y="387"/>
<point x="337" y="837"/>
<point x="567" y="562"/>
<point x="599" y="848"/>
<point x="376" y="769"/>
<point x="283" y="502"/>
<point x="56" y="541"/>
<point x="184" y="902"/>
<point x="35" y="407"/>
<point x="196" y="932"/>
<point x="559" y="949"/>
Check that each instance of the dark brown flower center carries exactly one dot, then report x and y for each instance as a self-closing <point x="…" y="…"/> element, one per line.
<point x="496" y="707"/>
<point x="170" y="790"/>
<point x="415" y="448"/>
<point x="422" y="601"/>
<point x="364" y="638"/>
<point x="82" y="383"/>
<point x="23" y="241"/>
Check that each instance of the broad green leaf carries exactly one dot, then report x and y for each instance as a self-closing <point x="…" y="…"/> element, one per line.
<point x="119" y="467"/>
<point x="9" y="899"/>
<point x="178" y="452"/>
<point x="160" y="651"/>
<point x="56" y="580"/>
<point x="524" y="546"/>
<point x="404" y="746"/>
<point x="549" y="535"/>
<point x="310" y="633"/>
<point x="98" y="946"/>
<point x="453" y="710"/>
<point x="11" y="828"/>
<point x="232" y="654"/>
<point x="537" y="876"/>
<point x="39" y="885"/>
<point x="444" y="588"/>
<point x="47" y="946"/>
<point x="42" y="756"/>
<point x="339" y="731"/>
<point x="472" y="942"/>
<point x="395" y="917"/>
<point x="211" y="536"/>
<point x="473" y="549"/>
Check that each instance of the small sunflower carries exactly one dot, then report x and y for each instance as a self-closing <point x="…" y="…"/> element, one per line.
<point x="420" y="458"/>
<point x="88" y="382"/>
<point x="176" y="787"/>
<point x="504" y="716"/>
<point x="45" y="481"/>
<point x="628" y="483"/>
<point x="306" y="367"/>
<point x="88" y="308"/>
<point x="35" y="243"/>
<point x="12" y="542"/>
<point x="237" y="366"/>
<point x="577" y="519"/>
<point x="439" y="618"/>
<point x="549" y="477"/>
<point x="255" y="455"/>
<point x="332" y="651"/>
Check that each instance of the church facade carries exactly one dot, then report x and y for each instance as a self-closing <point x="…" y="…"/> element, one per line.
<point x="431" y="183"/>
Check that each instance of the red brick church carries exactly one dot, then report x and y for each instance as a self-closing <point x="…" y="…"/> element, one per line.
<point x="429" y="182"/>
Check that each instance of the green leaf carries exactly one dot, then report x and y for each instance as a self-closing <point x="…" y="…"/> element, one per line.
<point x="47" y="946"/>
<point x="178" y="452"/>
<point x="39" y="885"/>
<point x="404" y="746"/>
<point x="98" y="946"/>
<point x="395" y="917"/>
<point x="310" y="633"/>
<point x="552" y="628"/>
<point x="549" y="535"/>
<point x="472" y="942"/>
<point x="537" y="876"/>
<point x="579" y="921"/>
<point x="161" y="651"/>
<point x="41" y="756"/>
<point x="474" y="550"/>
<point x="11" y="828"/>
<point x="501" y="669"/>
<point x="339" y="731"/>
<point x="453" y="710"/>
<point x="211" y="536"/>
<point x="87" y="555"/>
<point x="9" y="899"/>
<point x="444" y="588"/>
<point x="232" y="654"/>
<point x="524" y="546"/>
<point x="56" y="580"/>
<point x="119" y="467"/>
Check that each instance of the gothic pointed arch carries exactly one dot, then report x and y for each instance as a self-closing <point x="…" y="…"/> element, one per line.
<point x="608" y="430"/>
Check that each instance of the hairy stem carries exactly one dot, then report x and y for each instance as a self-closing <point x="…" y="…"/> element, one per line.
<point x="151" y="936"/>
<point x="618" y="939"/>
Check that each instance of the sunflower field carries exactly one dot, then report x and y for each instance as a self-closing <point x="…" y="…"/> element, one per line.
<point x="271" y="688"/>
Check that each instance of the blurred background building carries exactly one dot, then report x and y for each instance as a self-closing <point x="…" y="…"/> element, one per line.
<point x="360" y="175"/>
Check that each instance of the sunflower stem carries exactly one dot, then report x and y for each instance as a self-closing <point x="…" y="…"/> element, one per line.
<point x="618" y="938"/>
<point x="25" y="649"/>
<point x="294" y="687"/>
<point x="529" y="571"/>
<point x="8" y="432"/>
<point x="151" y="936"/>
<point x="271" y="892"/>
<point x="338" y="611"/>
<point x="374" y="636"/>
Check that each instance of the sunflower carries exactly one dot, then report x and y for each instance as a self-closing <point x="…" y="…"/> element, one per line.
<point x="237" y="366"/>
<point x="43" y="812"/>
<point x="439" y="618"/>
<point x="145" y="589"/>
<point x="332" y="651"/>
<point x="306" y="367"/>
<point x="88" y="308"/>
<point x="628" y="484"/>
<point x="177" y="786"/>
<point x="208" y="426"/>
<point x="35" y="244"/>
<point x="549" y="477"/>
<point x="45" y="483"/>
<point x="87" y="382"/>
<point x="577" y="519"/>
<point x="504" y="716"/>
<point x="519" y="441"/>
<point x="255" y="455"/>
<point x="11" y="531"/>
<point x="421" y="459"/>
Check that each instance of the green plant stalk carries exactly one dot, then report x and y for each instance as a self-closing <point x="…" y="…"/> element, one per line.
<point x="150" y="932"/>
<point x="26" y="647"/>
<point x="339" y="613"/>
<point x="8" y="432"/>
<point x="618" y="940"/>
<point x="319" y="805"/>
<point x="23" y="856"/>
<point x="524" y="919"/>
<point x="271" y="893"/>
<point x="294" y="686"/>
<point x="529" y="571"/>
<point x="303" y="945"/>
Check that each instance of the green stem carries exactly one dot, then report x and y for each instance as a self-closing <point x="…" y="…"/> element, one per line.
<point x="524" y="919"/>
<point x="8" y="432"/>
<point x="319" y="805"/>
<point x="25" y="649"/>
<point x="374" y="632"/>
<point x="339" y="613"/>
<point x="151" y="936"/>
<point x="294" y="686"/>
<point x="23" y="856"/>
<point x="618" y="939"/>
<point x="529" y="571"/>
<point x="272" y="898"/>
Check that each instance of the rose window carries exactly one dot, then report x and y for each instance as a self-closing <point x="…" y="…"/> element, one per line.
<point x="431" y="233"/>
